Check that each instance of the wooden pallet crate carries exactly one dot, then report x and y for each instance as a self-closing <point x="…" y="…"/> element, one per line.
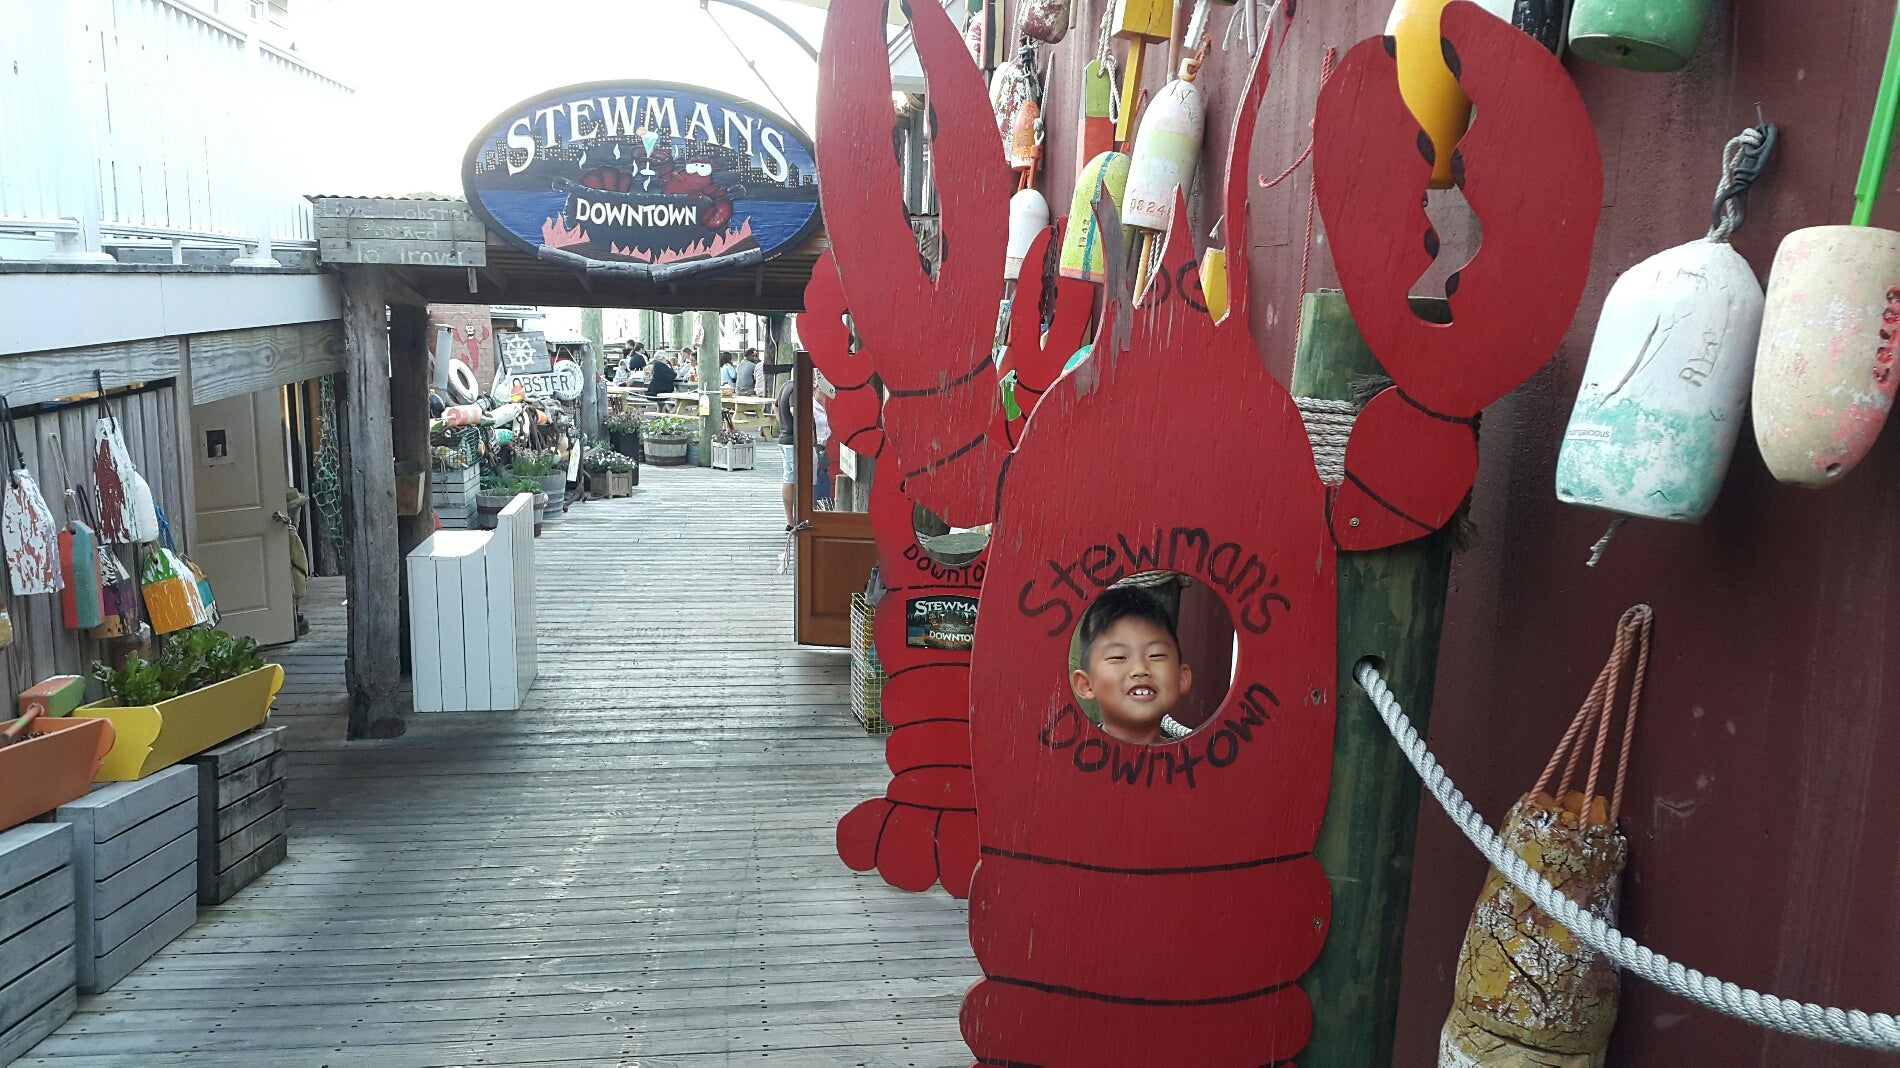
<point x="243" y="827"/>
<point x="38" y="957"/>
<point x="135" y="863"/>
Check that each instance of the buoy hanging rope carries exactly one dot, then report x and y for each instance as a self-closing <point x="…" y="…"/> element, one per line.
<point x="1848" y="1027"/>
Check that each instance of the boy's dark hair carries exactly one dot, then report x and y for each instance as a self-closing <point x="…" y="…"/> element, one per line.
<point x="1116" y="604"/>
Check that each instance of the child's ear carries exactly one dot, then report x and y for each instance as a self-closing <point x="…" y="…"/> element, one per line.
<point x="1187" y="678"/>
<point x="1083" y="687"/>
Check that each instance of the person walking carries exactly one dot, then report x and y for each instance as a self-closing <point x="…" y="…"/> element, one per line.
<point x="788" y="449"/>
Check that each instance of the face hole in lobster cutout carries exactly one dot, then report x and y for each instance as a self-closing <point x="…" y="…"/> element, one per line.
<point x="1452" y="241"/>
<point x="943" y="543"/>
<point x="1153" y="657"/>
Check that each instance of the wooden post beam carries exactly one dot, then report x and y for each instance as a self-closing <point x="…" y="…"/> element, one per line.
<point x="711" y="418"/>
<point x="1391" y="605"/>
<point x="369" y="511"/>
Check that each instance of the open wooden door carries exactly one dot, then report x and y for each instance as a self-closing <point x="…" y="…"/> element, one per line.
<point x="835" y="549"/>
<point x="243" y="472"/>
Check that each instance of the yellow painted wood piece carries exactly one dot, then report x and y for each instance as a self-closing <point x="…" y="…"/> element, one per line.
<point x="1426" y="84"/>
<point x="1150" y="20"/>
<point x="152" y="738"/>
<point x="1214" y="283"/>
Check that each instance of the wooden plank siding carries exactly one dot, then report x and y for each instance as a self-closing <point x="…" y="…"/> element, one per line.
<point x="42" y="645"/>
<point x="636" y="868"/>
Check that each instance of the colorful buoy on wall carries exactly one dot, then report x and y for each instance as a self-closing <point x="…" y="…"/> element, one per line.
<point x="1028" y="216"/>
<point x="1167" y="147"/>
<point x="1645" y="35"/>
<point x="1660" y="409"/>
<point x="1428" y="87"/>
<point x="1082" y="240"/>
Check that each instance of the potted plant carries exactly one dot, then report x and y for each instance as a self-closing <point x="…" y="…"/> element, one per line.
<point x="665" y="438"/>
<point x="205" y="686"/>
<point x="609" y="474"/>
<point x="497" y="491"/>
<point x="548" y="469"/>
<point x="732" y="449"/>
<point x="623" y="431"/>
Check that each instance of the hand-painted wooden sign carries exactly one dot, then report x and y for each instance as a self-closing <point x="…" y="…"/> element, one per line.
<point x="644" y="178"/>
<point x="1101" y="859"/>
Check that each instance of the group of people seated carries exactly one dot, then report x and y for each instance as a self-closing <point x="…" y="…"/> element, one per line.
<point x="665" y="372"/>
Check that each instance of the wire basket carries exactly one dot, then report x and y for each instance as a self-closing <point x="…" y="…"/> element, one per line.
<point x="867" y="674"/>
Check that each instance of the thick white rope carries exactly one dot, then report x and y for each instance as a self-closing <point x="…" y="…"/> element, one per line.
<point x="1848" y="1027"/>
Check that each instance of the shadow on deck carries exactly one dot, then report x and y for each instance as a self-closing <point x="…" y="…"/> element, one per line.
<point x="636" y="869"/>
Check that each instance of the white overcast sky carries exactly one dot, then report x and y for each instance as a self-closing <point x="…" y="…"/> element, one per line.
<point x="431" y="74"/>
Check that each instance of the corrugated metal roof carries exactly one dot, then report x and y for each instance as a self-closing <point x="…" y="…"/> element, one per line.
<point x="429" y="198"/>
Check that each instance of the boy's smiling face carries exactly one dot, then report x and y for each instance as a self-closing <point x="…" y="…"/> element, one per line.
<point x="1134" y="672"/>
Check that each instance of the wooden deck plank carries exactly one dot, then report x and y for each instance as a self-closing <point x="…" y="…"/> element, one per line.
<point x="637" y="867"/>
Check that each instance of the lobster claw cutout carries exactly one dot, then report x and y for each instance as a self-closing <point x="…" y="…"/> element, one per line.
<point x="1530" y="170"/>
<point x="856" y="413"/>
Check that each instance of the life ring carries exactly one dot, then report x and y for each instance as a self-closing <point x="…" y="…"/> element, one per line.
<point x="462" y="386"/>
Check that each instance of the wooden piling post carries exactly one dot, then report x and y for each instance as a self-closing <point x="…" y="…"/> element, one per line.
<point x="369" y="510"/>
<point x="711" y="418"/>
<point x="1391" y="605"/>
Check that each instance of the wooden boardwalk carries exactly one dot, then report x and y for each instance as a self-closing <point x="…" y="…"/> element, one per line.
<point x="638" y="869"/>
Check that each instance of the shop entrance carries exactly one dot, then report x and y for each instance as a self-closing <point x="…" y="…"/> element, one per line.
<point x="834" y="547"/>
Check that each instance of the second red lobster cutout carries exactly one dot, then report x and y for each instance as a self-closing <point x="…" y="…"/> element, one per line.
<point x="1139" y="905"/>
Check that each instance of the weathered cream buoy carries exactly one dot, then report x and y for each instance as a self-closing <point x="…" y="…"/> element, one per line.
<point x="1824" y="378"/>
<point x="1546" y="21"/>
<point x="1667" y="381"/>
<point x="1167" y="148"/>
<point x="1647" y="35"/>
<point x="1082" y="251"/>
<point x="1028" y="216"/>
<point x="1428" y="87"/>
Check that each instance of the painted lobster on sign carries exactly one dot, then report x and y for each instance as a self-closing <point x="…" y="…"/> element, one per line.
<point x="1137" y="904"/>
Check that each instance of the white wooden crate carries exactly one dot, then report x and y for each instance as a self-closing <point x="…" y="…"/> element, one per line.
<point x="135" y="861"/>
<point x="471" y="621"/>
<point x="38" y="958"/>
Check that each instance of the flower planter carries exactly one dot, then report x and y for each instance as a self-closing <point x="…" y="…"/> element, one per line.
<point x="135" y="851"/>
<point x="488" y="506"/>
<point x="540" y="512"/>
<point x="626" y="443"/>
<point x="154" y="737"/>
<point x="37" y="968"/>
<point x="667" y="452"/>
<point x="55" y="766"/>
<point x="555" y="486"/>
<point x="607" y="485"/>
<point x="738" y="456"/>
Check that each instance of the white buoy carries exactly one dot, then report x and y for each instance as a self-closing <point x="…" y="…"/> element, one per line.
<point x="1028" y="216"/>
<point x="1824" y="379"/>
<point x="1167" y="147"/>
<point x="1667" y="382"/>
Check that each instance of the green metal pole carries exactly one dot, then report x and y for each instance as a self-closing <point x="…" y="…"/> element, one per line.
<point x="1391" y="605"/>
<point x="1873" y="162"/>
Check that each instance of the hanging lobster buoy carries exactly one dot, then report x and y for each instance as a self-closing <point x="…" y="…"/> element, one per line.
<point x="1824" y="378"/>
<point x="1429" y="89"/>
<point x="1082" y="251"/>
<point x="1546" y="21"/>
<point x="1667" y="382"/>
<point x="1096" y="132"/>
<point x="1028" y="216"/>
<point x="1025" y="138"/>
<point x="1167" y="146"/>
<point x="1654" y="35"/>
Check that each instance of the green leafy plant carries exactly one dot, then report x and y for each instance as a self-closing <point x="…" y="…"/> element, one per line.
<point x="532" y="463"/>
<point x="670" y="426"/>
<point x="191" y="660"/>
<point x="507" y="485"/>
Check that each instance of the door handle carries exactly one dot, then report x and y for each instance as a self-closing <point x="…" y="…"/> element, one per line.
<point x="282" y="518"/>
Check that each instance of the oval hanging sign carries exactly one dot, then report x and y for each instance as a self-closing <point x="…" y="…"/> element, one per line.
<point x="644" y="178"/>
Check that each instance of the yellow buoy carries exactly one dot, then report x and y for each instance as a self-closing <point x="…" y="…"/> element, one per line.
<point x="1427" y="85"/>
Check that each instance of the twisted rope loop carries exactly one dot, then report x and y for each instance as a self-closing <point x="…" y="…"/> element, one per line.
<point x="1848" y="1027"/>
<point x="1328" y="426"/>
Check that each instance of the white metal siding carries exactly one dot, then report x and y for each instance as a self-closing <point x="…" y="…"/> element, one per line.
<point x="146" y="114"/>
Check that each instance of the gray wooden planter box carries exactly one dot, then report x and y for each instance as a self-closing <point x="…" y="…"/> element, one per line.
<point x="37" y="954"/>
<point x="135" y="859"/>
<point x="242" y="823"/>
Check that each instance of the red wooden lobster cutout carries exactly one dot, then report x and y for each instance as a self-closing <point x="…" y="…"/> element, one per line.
<point x="1155" y="904"/>
<point x="944" y="433"/>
